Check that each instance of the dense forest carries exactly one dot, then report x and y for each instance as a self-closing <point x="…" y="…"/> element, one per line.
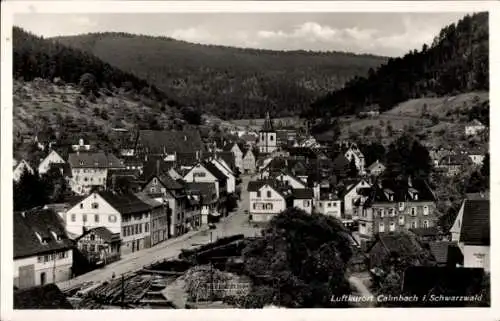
<point x="457" y="61"/>
<point x="228" y="82"/>
<point x="36" y="57"/>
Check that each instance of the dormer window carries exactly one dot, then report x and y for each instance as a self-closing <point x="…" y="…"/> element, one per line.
<point x="40" y="238"/>
<point x="81" y="162"/>
<point x="155" y="181"/>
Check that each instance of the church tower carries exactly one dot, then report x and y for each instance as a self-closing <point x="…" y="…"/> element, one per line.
<point x="267" y="137"/>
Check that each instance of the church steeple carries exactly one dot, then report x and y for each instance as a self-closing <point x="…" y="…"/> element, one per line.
<point x="268" y="124"/>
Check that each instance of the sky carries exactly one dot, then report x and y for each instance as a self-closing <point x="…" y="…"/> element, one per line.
<point x="386" y="34"/>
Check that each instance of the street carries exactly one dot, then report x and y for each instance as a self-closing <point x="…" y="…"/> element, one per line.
<point x="235" y="223"/>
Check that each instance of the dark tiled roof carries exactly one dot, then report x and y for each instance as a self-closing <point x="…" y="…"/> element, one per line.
<point x="191" y="158"/>
<point x="159" y="142"/>
<point x="228" y="157"/>
<point x="476" y="222"/>
<point x="93" y="160"/>
<point x="41" y="297"/>
<point x="105" y="234"/>
<point x="268" y="124"/>
<point x="302" y="193"/>
<point x="148" y="200"/>
<point x="400" y="242"/>
<point x="401" y="191"/>
<point x="44" y="223"/>
<point x="221" y="177"/>
<point x="207" y="191"/>
<point x="125" y="203"/>
<point x="444" y="251"/>
<point x="154" y="166"/>
<point x="283" y="189"/>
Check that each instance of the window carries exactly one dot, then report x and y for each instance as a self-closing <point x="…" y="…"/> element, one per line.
<point x="392" y="212"/>
<point x="155" y="181"/>
<point x="124" y="231"/>
<point x="271" y="137"/>
<point x="140" y="228"/>
<point x="199" y="174"/>
<point x="306" y="203"/>
<point x="84" y="217"/>
<point x="254" y="206"/>
<point x="40" y="259"/>
<point x="329" y="204"/>
<point x="95" y="205"/>
<point x="258" y="193"/>
<point x="153" y="189"/>
<point x="92" y="237"/>
<point x="112" y="218"/>
<point x="415" y="196"/>
<point x="413" y="211"/>
<point x="85" y="179"/>
<point x="401" y="206"/>
<point x="96" y="218"/>
<point x="426" y="224"/>
<point x="73" y="217"/>
<point x="426" y="210"/>
<point x="146" y="227"/>
<point x="137" y="229"/>
<point x="269" y="195"/>
<point x="381" y="228"/>
<point x="381" y="213"/>
<point x="334" y="204"/>
<point x="479" y="259"/>
<point x="414" y="224"/>
<point x="401" y="220"/>
<point x="81" y="205"/>
<point x="392" y="226"/>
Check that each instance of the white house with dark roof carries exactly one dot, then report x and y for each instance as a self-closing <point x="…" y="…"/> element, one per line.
<point x="230" y="177"/>
<point x="376" y="168"/>
<point x="303" y="199"/>
<point x="43" y="253"/>
<point x="20" y="168"/>
<point x="268" y="198"/>
<point x="353" y="153"/>
<point x="237" y="152"/>
<point x="290" y="180"/>
<point x="351" y="194"/>
<point x="249" y="162"/>
<point x="208" y="173"/>
<point x="52" y="158"/>
<point x="329" y="204"/>
<point x="90" y="170"/>
<point x="471" y="230"/>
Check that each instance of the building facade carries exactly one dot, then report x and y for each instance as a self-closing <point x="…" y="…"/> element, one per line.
<point x="266" y="200"/>
<point x="267" y="137"/>
<point x="249" y="162"/>
<point x="52" y="158"/>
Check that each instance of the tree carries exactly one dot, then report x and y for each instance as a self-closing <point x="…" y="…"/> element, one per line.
<point x="407" y="157"/>
<point x="30" y="191"/>
<point x="353" y="170"/>
<point x="88" y="83"/>
<point x="191" y="116"/>
<point x="55" y="184"/>
<point x="302" y="258"/>
<point x="373" y="152"/>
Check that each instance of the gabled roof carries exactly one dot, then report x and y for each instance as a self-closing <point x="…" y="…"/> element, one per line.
<point x="148" y="200"/>
<point x="165" y="179"/>
<point x="105" y="234"/>
<point x="221" y="177"/>
<point x="476" y="223"/>
<point x="302" y="193"/>
<point x="37" y="232"/>
<point x="400" y="191"/>
<point x="125" y="203"/>
<point x="399" y="242"/>
<point x="425" y="231"/>
<point x="207" y="191"/>
<point x="170" y="141"/>
<point x="41" y="297"/>
<point x="374" y="165"/>
<point x="282" y="189"/>
<point x="93" y="160"/>
<point x="228" y="157"/>
<point x="445" y="251"/>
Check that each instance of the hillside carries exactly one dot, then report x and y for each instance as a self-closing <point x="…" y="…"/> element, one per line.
<point x="456" y="62"/>
<point x="228" y="82"/>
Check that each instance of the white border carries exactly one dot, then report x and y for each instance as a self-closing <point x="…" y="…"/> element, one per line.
<point x="9" y="8"/>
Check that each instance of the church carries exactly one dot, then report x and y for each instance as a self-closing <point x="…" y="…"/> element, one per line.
<point x="267" y="137"/>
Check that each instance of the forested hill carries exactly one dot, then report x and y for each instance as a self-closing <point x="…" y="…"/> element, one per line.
<point x="36" y="57"/>
<point x="228" y="82"/>
<point x="457" y="61"/>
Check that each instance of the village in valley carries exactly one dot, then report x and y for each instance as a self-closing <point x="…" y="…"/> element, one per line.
<point x="258" y="213"/>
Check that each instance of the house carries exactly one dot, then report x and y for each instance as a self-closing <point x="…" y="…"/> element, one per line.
<point x="267" y="198"/>
<point x="169" y="191"/>
<point x="205" y="195"/>
<point x="99" y="245"/>
<point x="351" y="194"/>
<point x="329" y="204"/>
<point x="476" y="157"/>
<point x="52" y="158"/>
<point x="89" y="170"/>
<point x="43" y="140"/>
<point x="396" y="205"/>
<point x="209" y="173"/>
<point x="474" y="128"/>
<point x="158" y="219"/>
<point x="221" y="165"/>
<point x="42" y="249"/>
<point x="289" y="180"/>
<point x="267" y="143"/>
<point x="303" y="199"/>
<point x="47" y="296"/>
<point x="167" y="142"/>
<point x="394" y="244"/>
<point x="353" y="153"/>
<point x="286" y="137"/>
<point x="20" y="168"/>
<point x="81" y="147"/>
<point x="471" y="230"/>
<point x="249" y="162"/>
<point x="375" y="169"/>
<point x="237" y="152"/>
<point x="249" y="139"/>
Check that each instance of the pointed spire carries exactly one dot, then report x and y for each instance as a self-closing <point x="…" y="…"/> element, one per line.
<point x="268" y="124"/>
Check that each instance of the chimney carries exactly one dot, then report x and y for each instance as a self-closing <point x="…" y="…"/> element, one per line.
<point x="81" y="142"/>
<point x="158" y="167"/>
<point x="410" y="184"/>
<point x="185" y="138"/>
<point x="197" y="156"/>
